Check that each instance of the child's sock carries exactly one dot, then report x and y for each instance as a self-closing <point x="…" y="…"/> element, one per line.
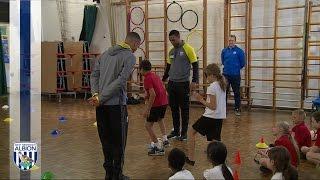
<point x="159" y="145"/>
<point x="152" y="144"/>
<point x="164" y="138"/>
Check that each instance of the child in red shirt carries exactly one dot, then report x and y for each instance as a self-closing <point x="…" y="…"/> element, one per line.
<point x="157" y="101"/>
<point x="313" y="153"/>
<point x="284" y="138"/>
<point x="300" y="131"/>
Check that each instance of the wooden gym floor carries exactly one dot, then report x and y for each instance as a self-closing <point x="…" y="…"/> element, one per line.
<point x="77" y="153"/>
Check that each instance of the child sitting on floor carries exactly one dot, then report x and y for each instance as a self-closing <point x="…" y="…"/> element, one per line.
<point x="280" y="164"/>
<point x="177" y="159"/>
<point x="300" y="131"/>
<point x="283" y="138"/>
<point x="313" y="153"/>
<point x="217" y="154"/>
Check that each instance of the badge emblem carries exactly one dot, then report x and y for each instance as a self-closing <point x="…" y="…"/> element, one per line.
<point x="25" y="155"/>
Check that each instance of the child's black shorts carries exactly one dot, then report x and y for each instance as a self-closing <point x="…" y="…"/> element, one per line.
<point x="209" y="127"/>
<point x="157" y="113"/>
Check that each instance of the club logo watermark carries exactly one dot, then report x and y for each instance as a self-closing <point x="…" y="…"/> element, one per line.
<point x="25" y="155"/>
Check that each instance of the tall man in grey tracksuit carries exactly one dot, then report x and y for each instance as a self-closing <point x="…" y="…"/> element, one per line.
<point x="108" y="80"/>
<point x="178" y="67"/>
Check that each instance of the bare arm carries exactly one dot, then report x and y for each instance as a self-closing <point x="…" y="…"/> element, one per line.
<point x="152" y="97"/>
<point x="211" y="105"/>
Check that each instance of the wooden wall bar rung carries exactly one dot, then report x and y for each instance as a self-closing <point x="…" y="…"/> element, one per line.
<point x="237" y="2"/>
<point x="314" y="42"/>
<point x="261" y="79"/>
<point x="313" y="77"/>
<point x="314" y="45"/>
<point x="313" y="89"/>
<point x="257" y="67"/>
<point x="288" y="100"/>
<point x="287" y="74"/>
<point x="287" y="87"/>
<point x="261" y="60"/>
<point x="283" y="49"/>
<point x="316" y="5"/>
<point x="289" y="67"/>
<point x="276" y="67"/>
<point x="157" y="17"/>
<point x="315" y="23"/>
<point x="257" y="38"/>
<point x="156" y="41"/>
<point x="314" y="57"/>
<point x="256" y="92"/>
<point x="316" y="11"/>
<point x="291" y="25"/>
<point x="288" y="37"/>
<point x="291" y="7"/>
<point x="283" y="60"/>
<point x="262" y="49"/>
<point x="283" y="80"/>
<point x="237" y="16"/>
<point x="238" y="29"/>
<point x="156" y="50"/>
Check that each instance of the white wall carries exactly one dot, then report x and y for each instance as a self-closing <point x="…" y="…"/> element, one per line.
<point x="50" y="21"/>
<point x="73" y="17"/>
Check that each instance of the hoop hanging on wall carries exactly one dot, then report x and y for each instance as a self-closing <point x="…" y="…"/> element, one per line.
<point x="181" y="11"/>
<point x="197" y="21"/>
<point x="144" y="53"/>
<point x="142" y="33"/>
<point x="192" y="33"/>
<point x="135" y="23"/>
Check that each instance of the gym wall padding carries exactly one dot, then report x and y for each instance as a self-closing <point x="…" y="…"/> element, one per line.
<point x="3" y="80"/>
<point x="49" y="65"/>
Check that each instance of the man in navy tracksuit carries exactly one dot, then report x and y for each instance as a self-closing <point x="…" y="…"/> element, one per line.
<point x="233" y="60"/>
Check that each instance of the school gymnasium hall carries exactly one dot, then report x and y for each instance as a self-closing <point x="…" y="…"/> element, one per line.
<point x="268" y="53"/>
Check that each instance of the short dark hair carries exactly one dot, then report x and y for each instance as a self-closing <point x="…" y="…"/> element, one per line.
<point x="174" y="33"/>
<point x="133" y="36"/>
<point x="316" y="116"/>
<point x="234" y="36"/>
<point x="145" y="65"/>
<point x="177" y="159"/>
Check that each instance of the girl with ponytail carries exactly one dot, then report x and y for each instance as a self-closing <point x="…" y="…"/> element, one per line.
<point x="217" y="155"/>
<point x="210" y="123"/>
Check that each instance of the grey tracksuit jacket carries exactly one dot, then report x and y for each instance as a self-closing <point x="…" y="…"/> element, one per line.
<point x="110" y="74"/>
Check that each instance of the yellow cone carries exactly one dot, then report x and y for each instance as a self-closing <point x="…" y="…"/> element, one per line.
<point x="95" y="124"/>
<point x="262" y="144"/>
<point x="35" y="167"/>
<point x="8" y="120"/>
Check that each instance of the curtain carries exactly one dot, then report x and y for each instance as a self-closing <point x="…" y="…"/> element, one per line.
<point x="88" y="24"/>
<point x="3" y="81"/>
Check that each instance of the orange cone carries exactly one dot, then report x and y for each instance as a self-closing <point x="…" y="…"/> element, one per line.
<point x="262" y="144"/>
<point x="235" y="175"/>
<point x="237" y="159"/>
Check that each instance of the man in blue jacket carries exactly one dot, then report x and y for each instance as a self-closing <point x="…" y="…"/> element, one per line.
<point x="233" y="60"/>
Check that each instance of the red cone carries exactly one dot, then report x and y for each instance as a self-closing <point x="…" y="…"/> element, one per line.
<point x="237" y="159"/>
<point x="235" y="175"/>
